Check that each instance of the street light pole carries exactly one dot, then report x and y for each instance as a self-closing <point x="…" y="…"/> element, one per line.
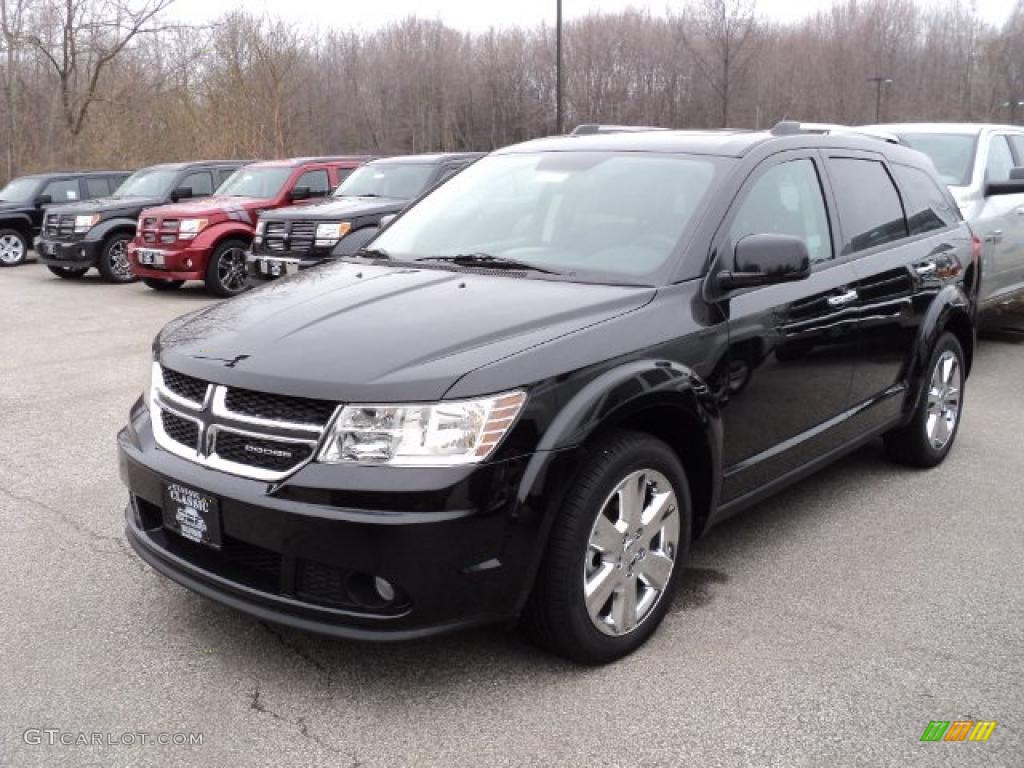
<point x="558" y="67"/>
<point x="879" y="82"/>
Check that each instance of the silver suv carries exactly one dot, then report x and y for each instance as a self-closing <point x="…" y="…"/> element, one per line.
<point x="981" y="163"/>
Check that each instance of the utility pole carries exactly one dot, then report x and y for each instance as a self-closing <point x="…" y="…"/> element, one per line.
<point x="558" y="67"/>
<point x="879" y="82"/>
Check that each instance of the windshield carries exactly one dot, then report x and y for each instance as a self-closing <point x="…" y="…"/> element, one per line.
<point x="19" y="191"/>
<point x="592" y="214"/>
<point x="952" y="154"/>
<point x="255" y="182"/>
<point x="401" y="181"/>
<point x="147" y="183"/>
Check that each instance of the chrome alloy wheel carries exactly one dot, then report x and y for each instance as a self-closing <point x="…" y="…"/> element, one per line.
<point x="12" y="249"/>
<point x="944" y="400"/>
<point x="631" y="552"/>
<point x="231" y="270"/>
<point x="119" y="265"/>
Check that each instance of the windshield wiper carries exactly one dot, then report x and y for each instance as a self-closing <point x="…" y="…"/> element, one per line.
<point x="488" y="261"/>
<point x="373" y="253"/>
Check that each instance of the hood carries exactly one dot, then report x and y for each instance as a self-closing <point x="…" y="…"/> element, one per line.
<point x="105" y="205"/>
<point x="6" y="205"/>
<point x="340" y="208"/>
<point x="209" y="207"/>
<point x="357" y="333"/>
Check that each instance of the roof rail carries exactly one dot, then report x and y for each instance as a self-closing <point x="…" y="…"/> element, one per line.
<point x="794" y="127"/>
<point x="589" y="129"/>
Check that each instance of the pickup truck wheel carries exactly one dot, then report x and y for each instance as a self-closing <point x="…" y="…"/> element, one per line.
<point x="163" y="285"/>
<point x="616" y="553"/>
<point x="113" y="262"/>
<point x="69" y="273"/>
<point x="13" y="248"/>
<point x="225" y="274"/>
<point x="927" y="439"/>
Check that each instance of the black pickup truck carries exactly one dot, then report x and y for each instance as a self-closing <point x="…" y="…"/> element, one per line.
<point x="23" y="199"/>
<point x="298" y="237"/>
<point x="78" y="236"/>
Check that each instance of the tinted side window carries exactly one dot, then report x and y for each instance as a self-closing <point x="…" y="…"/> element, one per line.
<point x="223" y="174"/>
<point x="98" y="186"/>
<point x="927" y="206"/>
<point x="62" y="191"/>
<point x="200" y="182"/>
<point x="869" y="205"/>
<point x="316" y="181"/>
<point x="1000" y="159"/>
<point x="786" y="200"/>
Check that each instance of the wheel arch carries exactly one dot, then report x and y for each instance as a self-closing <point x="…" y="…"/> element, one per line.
<point x="21" y="224"/>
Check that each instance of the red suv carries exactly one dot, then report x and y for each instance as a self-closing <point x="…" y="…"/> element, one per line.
<point x="207" y="239"/>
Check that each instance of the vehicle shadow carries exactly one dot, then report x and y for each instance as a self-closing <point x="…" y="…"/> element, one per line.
<point x="1003" y="323"/>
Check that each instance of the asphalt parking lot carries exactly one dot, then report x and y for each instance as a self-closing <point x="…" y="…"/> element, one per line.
<point x="826" y="627"/>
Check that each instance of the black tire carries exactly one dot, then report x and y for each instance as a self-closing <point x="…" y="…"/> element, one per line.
<point x="163" y="285"/>
<point x="69" y="273"/>
<point x="113" y="262"/>
<point x="13" y="248"/>
<point x="913" y="443"/>
<point x="556" y="616"/>
<point x="226" y="273"/>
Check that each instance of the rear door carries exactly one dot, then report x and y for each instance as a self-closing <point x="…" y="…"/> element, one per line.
<point x="785" y="381"/>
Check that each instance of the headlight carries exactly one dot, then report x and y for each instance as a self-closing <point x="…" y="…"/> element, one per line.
<point x="329" y="234"/>
<point x="438" y="434"/>
<point x="189" y="228"/>
<point x="85" y="223"/>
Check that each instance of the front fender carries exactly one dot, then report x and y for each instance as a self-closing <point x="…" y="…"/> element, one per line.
<point x="18" y="221"/>
<point x="101" y="231"/>
<point x="209" y="237"/>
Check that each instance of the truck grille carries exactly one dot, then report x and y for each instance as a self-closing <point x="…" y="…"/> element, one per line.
<point x="289" y="236"/>
<point x="59" y="226"/>
<point x="155" y="230"/>
<point x="253" y="434"/>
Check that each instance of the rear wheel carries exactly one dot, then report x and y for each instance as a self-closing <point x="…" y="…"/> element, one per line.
<point x="225" y="274"/>
<point x="929" y="436"/>
<point x="616" y="553"/>
<point x="163" y="285"/>
<point x="113" y="263"/>
<point x="69" y="273"/>
<point x="13" y="248"/>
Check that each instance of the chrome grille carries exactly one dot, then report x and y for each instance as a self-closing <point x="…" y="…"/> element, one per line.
<point x="181" y="430"/>
<point x="59" y="225"/>
<point x="262" y="405"/>
<point x="290" y="236"/>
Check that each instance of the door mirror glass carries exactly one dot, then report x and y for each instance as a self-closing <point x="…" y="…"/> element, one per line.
<point x="181" y="193"/>
<point x="766" y="260"/>
<point x="300" y="193"/>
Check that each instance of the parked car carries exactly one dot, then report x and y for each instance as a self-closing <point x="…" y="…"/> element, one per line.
<point x="978" y="161"/>
<point x="510" y="406"/>
<point x="22" y="201"/>
<point x="95" y="233"/>
<point x="292" y="239"/>
<point x="207" y="239"/>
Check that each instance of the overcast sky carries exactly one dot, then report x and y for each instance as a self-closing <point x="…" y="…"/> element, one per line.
<point x="480" y="14"/>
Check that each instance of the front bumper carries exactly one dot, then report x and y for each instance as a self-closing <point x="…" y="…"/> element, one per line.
<point x="75" y="253"/>
<point x="455" y="542"/>
<point x="262" y="268"/>
<point x="175" y="264"/>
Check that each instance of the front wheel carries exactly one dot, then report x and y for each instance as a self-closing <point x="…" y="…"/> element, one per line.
<point x="928" y="438"/>
<point x="163" y="285"/>
<point x="69" y="273"/>
<point x="225" y="274"/>
<point x="616" y="553"/>
<point x="13" y="248"/>
<point x="113" y="262"/>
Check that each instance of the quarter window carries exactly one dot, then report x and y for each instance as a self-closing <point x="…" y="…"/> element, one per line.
<point x="869" y="205"/>
<point x="786" y="200"/>
<point x="926" y="204"/>
<point x="1000" y="160"/>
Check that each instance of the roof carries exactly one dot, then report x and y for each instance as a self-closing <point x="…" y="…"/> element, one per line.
<point x="429" y="159"/>
<point x="967" y="129"/>
<point x="48" y="174"/>
<point x="195" y="164"/>
<point x="292" y="162"/>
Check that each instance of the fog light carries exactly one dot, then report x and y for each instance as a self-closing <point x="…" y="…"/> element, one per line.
<point x="384" y="589"/>
<point x="188" y="263"/>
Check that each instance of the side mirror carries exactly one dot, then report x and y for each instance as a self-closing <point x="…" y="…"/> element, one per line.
<point x="1013" y="186"/>
<point x="766" y="260"/>
<point x="180" y="193"/>
<point x="300" y="193"/>
<point x="43" y="200"/>
<point x="385" y="220"/>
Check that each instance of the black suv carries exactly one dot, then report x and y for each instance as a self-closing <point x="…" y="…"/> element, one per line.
<point x="547" y="377"/>
<point x="78" y="236"/>
<point x="23" y="199"/>
<point x="290" y="239"/>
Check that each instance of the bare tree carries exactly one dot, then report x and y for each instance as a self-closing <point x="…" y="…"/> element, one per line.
<point x="12" y="22"/>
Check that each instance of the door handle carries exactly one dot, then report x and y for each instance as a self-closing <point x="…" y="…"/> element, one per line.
<point x="996" y="236"/>
<point x="923" y="270"/>
<point x="842" y="299"/>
